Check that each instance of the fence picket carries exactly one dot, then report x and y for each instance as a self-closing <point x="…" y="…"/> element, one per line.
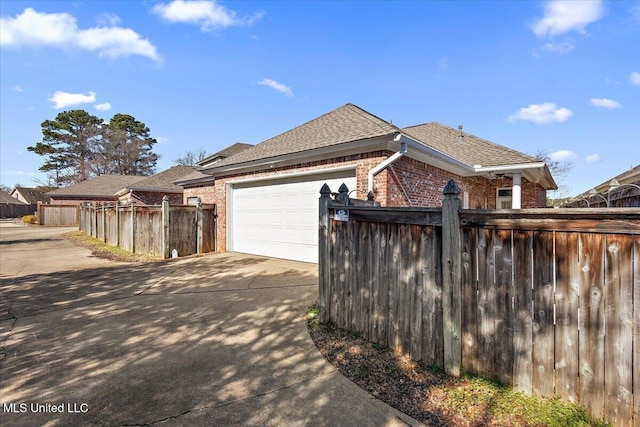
<point x="523" y="320"/>
<point x="619" y="338"/>
<point x="567" y="305"/>
<point x="592" y="322"/>
<point x="537" y="312"/>
<point x="543" y="327"/>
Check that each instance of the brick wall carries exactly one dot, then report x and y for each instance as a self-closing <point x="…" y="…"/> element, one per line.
<point x="407" y="182"/>
<point x="413" y="183"/>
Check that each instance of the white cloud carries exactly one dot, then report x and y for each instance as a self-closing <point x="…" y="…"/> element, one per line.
<point x="108" y="19"/>
<point x="208" y="15"/>
<point x="65" y="99"/>
<point x="105" y="106"/>
<point x="562" y="155"/>
<point x="592" y="158"/>
<point x="162" y="139"/>
<point x="605" y="103"/>
<point x="564" y="46"/>
<point x="634" y="78"/>
<point x="17" y="89"/>
<point x="541" y="113"/>
<point x="277" y="86"/>
<point x="60" y="30"/>
<point x="564" y="16"/>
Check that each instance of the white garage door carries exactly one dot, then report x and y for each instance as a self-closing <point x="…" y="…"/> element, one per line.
<point x="279" y="218"/>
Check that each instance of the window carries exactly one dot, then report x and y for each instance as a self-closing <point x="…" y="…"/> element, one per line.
<point x="192" y="201"/>
<point x="503" y="199"/>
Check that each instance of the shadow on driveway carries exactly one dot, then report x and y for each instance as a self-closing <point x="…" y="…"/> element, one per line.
<point x="214" y="340"/>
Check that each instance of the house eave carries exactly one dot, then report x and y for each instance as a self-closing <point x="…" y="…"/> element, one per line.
<point x="534" y="172"/>
<point x="324" y="153"/>
<point x="148" y="190"/>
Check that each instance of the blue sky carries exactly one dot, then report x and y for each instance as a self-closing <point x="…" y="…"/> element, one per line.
<point x="562" y="77"/>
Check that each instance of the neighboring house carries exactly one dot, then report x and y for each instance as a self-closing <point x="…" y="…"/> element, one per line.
<point x="151" y="190"/>
<point x="11" y="207"/>
<point x="267" y="195"/>
<point x="622" y="191"/>
<point x="32" y="196"/>
<point x="223" y="154"/>
<point x="102" y="188"/>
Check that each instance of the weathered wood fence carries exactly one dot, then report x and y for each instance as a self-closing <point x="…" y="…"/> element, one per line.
<point x="546" y="300"/>
<point x="58" y="215"/>
<point x="11" y="210"/>
<point x="153" y="230"/>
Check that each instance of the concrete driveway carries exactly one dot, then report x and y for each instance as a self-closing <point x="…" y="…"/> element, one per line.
<point x="213" y="340"/>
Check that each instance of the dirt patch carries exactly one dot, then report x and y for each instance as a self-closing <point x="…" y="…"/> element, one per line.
<point x="433" y="398"/>
<point x="101" y="250"/>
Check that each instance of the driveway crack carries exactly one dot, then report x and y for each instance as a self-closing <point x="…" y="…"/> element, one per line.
<point x="233" y="402"/>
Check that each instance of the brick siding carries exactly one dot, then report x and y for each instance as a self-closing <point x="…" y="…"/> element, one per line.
<point x="407" y="182"/>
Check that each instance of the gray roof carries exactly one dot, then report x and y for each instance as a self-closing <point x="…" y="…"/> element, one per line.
<point x="470" y="149"/>
<point x="351" y="123"/>
<point x="163" y="181"/>
<point x="226" y="152"/>
<point x="194" y="176"/>
<point x="8" y="199"/>
<point x="345" y="124"/>
<point x="34" y="195"/>
<point x="100" y="186"/>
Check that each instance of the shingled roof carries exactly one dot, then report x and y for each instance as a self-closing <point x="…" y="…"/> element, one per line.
<point x="224" y="153"/>
<point x="33" y="195"/>
<point x="163" y="181"/>
<point x="8" y="199"/>
<point x="100" y="186"/>
<point x="469" y="149"/>
<point x="345" y="124"/>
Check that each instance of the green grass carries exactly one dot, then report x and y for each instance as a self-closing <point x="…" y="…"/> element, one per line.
<point x="102" y="250"/>
<point x="420" y="390"/>
<point x="476" y="397"/>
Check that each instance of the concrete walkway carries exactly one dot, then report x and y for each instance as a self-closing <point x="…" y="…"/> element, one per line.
<point x="213" y="340"/>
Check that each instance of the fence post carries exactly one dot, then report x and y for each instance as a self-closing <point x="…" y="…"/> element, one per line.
<point x="324" y="274"/>
<point x="133" y="228"/>
<point x="104" y="223"/>
<point x="452" y="279"/>
<point x="199" y="234"/>
<point x="165" y="227"/>
<point x="40" y="213"/>
<point x="118" y="223"/>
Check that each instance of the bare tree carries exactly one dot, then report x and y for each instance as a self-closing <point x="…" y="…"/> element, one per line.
<point x="191" y="158"/>
<point x="559" y="170"/>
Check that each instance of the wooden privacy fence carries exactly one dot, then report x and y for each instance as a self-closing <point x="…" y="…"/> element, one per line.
<point x="58" y="215"/>
<point x="12" y="210"/>
<point x="545" y="300"/>
<point x="153" y="230"/>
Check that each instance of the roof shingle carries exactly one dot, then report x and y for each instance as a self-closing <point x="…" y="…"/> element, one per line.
<point x="471" y="150"/>
<point x="163" y="181"/>
<point x="345" y="124"/>
<point x="100" y="186"/>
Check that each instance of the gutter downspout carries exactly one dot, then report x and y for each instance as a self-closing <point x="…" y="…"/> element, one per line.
<point x="385" y="164"/>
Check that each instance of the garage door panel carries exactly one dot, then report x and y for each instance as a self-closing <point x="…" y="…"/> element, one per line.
<point x="280" y="218"/>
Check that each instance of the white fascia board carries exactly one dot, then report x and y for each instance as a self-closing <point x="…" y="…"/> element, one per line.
<point x="319" y="171"/>
<point x="324" y="153"/>
<point x="508" y="168"/>
<point x="537" y="172"/>
<point x="431" y="156"/>
<point x="534" y="172"/>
